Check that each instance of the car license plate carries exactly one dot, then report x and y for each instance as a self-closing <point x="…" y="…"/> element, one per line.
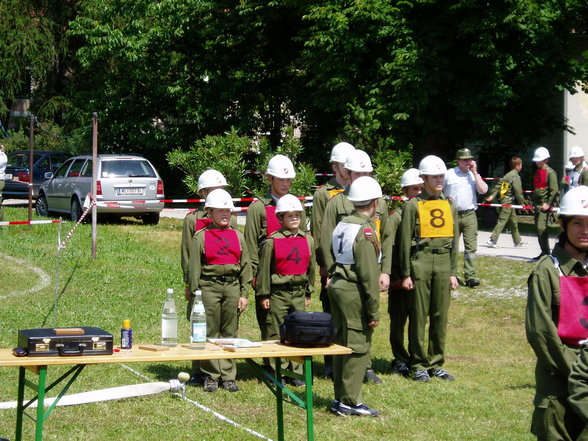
<point x="7" y="176"/>
<point x="131" y="191"/>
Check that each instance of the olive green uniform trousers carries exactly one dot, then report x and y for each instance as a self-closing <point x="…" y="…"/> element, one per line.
<point x="222" y="321"/>
<point x="468" y="227"/>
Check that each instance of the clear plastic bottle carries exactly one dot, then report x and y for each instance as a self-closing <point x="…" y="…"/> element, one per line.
<point x="198" y="323"/>
<point x="169" y="321"/>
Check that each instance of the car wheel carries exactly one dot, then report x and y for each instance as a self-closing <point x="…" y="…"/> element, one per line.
<point x="151" y="218"/>
<point x="76" y="210"/>
<point x="41" y="206"/>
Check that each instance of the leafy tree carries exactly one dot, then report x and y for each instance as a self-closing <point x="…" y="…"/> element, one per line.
<point x="31" y="46"/>
<point x="236" y="157"/>
<point x="435" y="74"/>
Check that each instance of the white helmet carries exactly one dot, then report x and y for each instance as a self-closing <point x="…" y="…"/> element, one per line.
<point x="576" y="152"/>
<point x="541" y="154"/>
<point x="364" y="189"/>
<point x="280" y="166"/>
<point x="411" y="177"/>
<point x="432" y="165"/>
<point x="575" y="202"/>
<point x="211" y="178"/>
<point x="341" y="151"/>
<point x="358" y="161"/>
<point x="219" y="198"/>
<point x="288" y="202"/>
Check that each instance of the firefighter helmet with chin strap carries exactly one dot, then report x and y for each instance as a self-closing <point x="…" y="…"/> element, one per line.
<point x="411" y="177"/>
<point x="341" y="151"/>
<point x="211" y="178"/>
<point x="288" y="202"/>
<point x="363" y="190"/>
<point x="541" y="154"/>
<point x="432" y="165"/>
<point x="359" y="161"/>
<point x="281" y="167"/>
<point x="575" y="202"/>
<point x="219" y="198"/>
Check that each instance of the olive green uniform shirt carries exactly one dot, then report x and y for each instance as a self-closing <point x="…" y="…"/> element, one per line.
<point x="320" y="199"/>
<point x="583" y="177"/>
<point x="411" y="242"/>
<point x="188" y="230"/>
<point x="364" y="274"/>
<point x="340" y="207"/>
<point x="256" y="228"/>
<point x="266" y="272"/>
<point x="514" y="191"/>
<point x="198" y="266"/>
<point x="554" y="358"/>
<point x="548" y="194"/>
<point x="578" y="385"/>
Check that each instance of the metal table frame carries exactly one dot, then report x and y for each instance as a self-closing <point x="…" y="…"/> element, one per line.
<point x="38" y="366"/>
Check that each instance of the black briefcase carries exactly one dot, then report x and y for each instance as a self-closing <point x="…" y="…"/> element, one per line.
<point x="308" y="329"/>
<point x="46" y="342"/>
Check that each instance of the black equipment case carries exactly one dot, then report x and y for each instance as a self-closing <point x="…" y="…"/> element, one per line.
<point x="47" y="342"/>
<point x="307" y="329"/>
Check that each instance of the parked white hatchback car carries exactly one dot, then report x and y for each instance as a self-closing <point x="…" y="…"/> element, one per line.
<point x="121" y="178"/>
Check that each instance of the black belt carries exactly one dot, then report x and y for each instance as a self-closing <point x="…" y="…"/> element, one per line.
<point x="465" y="211"/>
<point x="221" y="279"/>
<point x="434" y="250"/>
<point x="288" y="286"/>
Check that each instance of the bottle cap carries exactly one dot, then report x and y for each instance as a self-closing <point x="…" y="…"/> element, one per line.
<point x="170" y="290"/>
<point x="126" y="324"/>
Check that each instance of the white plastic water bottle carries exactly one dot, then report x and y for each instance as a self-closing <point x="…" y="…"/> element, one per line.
<point x="169" y="321"/>
<point x="198" y="322"/>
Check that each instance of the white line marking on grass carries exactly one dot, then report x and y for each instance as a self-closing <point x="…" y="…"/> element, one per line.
<point x="203" y="407"/>
<point x="44" y="278"/>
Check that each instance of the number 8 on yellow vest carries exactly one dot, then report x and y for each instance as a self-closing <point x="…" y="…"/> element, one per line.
<point x="435" y="218"/>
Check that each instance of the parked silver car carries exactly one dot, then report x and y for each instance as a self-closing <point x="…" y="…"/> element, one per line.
<point x="121" y="178"/>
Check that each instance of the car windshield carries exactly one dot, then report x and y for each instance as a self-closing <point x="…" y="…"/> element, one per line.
<point x="21" y="159"/>
<point x="122" y="168"/>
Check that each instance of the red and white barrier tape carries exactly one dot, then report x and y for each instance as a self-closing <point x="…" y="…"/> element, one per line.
<point x="521" y="207"/>
<point x="179" y="201"/>
<point x="30" y="222"/>
<point x="80" y="220"/>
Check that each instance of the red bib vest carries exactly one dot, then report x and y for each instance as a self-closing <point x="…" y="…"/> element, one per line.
<point x="222" y="247"/>
<point x="573" y="309"/>
<point x="291" y="255"/>
<point x="272" y="222"/>
<point x="540" y="180"/>
<point x="202" y="223"/>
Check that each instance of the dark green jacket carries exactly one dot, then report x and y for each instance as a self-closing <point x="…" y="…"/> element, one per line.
<point x="554" y="358"/>
<point x="320" y="199"/>
<point x="266" y="273"/>
<point x="340" y="207"/>
<point x="514" y="191"/>
<point x="365" y="272"/>
<point x="410" y="237"/>
<point x="198" y="266"/>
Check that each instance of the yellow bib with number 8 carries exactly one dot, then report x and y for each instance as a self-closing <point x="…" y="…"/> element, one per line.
<point x="435" y="218"/>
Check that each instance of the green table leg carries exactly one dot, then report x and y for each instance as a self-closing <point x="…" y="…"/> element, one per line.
<point x="279" y="398"/>
<point x="41" y="403"/>
<point x="309" y="399"/>
<point x="20" y="403"/>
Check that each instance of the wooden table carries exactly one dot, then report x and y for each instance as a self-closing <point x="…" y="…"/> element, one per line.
<point x="39" y="366"/>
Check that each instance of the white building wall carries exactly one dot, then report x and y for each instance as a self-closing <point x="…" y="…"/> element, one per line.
<point x="576" y="112"/>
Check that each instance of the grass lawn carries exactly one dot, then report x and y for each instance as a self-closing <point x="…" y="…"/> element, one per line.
<point x="487" y="351"/>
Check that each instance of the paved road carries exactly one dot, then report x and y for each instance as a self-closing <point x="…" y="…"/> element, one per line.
<point x="506" y="250"/>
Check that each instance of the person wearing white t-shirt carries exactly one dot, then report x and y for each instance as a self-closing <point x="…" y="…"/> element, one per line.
<point x="462" y="185"/>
